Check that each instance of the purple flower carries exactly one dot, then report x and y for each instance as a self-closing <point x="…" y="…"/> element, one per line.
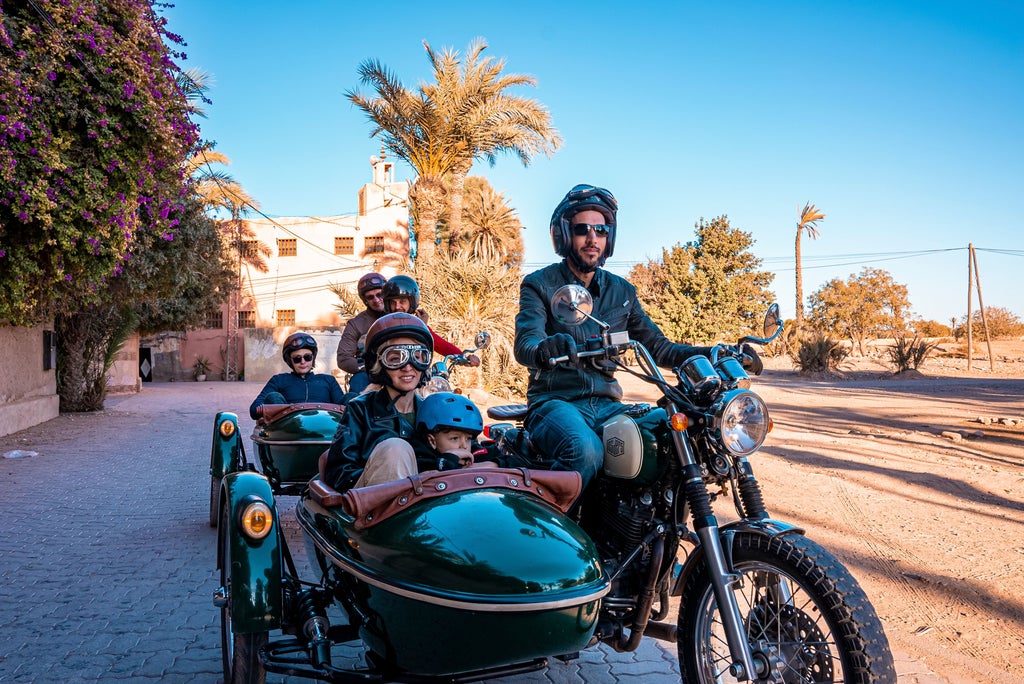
<point x="52" y="76"/>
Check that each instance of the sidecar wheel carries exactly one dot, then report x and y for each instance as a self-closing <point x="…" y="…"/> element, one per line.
<point x="806" y="618"/>
<point x="214" y="500"/>
<point x="240" y="652"/>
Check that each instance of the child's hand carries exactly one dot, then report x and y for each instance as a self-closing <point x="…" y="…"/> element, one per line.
<point x="465" y="457"/>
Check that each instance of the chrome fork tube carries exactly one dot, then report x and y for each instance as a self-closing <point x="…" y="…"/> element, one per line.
<point x="722" y="579"/>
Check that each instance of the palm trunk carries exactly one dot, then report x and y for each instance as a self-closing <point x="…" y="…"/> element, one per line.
<point x="427" y="195"/>
<point x="799" y="286"/>
<point x="455" y="194"/>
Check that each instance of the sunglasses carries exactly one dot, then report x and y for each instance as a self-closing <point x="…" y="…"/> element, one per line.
<point x="399" y="355"/>
<point x="581" y="229"/>
<point x="302" y="358"/>
<point x="374" y="295"/>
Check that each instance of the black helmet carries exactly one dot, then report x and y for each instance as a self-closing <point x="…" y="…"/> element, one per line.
<point x="401" y="286"/>
<point x="389" y="327"/>
<point x="447" y="410"/>
<point x="583" y="198"/>
<point x="370" y="281"/>
<point x="295" y="342"/>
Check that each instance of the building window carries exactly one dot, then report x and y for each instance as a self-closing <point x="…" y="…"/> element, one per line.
<point x="287" y="248"/>
<point x="246" y="319"/>
<point x="286" y="318"/>
<point x="214" y="319"/>
<point x="344" y="245"/>
<point x="248" y="249"/>
<point x="374" y="245"/>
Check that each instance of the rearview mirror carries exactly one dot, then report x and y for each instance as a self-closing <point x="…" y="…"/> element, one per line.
<point x="571" y="304"/>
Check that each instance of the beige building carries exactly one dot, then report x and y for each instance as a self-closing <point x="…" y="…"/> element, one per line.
<point x="307" y="255"/>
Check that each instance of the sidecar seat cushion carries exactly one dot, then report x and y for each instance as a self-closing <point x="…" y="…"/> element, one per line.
<point x="370" y="505"/>
<point x="507" y="412"/>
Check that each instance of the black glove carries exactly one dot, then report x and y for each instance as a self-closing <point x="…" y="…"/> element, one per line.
<point x="559" y="344"/>
<point x="751" y="361"/>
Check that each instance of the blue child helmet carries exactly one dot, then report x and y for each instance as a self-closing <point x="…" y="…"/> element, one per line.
<point x="449" y="411"/>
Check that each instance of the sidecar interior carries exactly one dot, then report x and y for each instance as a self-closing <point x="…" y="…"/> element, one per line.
<point x="289" y="439"/>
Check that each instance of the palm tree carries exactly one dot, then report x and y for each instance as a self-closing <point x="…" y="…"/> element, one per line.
<point x="493" y="225"/>
<point x="483" y="119"/>
<point x="412" y="127"/>
<point x="809" y="216"/>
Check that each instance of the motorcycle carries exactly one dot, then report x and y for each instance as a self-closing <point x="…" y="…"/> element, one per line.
<point x="441" y="372"/>
<point x="503" y="558"/>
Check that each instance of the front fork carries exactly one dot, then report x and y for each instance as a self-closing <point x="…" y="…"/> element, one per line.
<point x="722" y="579"/>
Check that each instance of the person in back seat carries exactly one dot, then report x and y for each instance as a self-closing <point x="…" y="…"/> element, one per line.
<point x="301" y="385"/>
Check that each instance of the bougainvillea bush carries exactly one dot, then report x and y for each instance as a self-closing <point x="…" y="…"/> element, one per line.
<point x="94" y="131"/>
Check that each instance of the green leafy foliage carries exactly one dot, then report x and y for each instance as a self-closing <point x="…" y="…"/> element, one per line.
<point x="707" y="290"/>
<point x="94" y="130"/>
<point x="867" y="305"/>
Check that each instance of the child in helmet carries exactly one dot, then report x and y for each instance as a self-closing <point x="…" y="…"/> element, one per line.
<point x="301" y="385"/>
<point x="450" y="423"/>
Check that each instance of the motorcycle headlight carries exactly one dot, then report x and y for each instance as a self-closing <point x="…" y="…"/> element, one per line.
<point x="740" y="422"/>
<point x="437" y="384"/>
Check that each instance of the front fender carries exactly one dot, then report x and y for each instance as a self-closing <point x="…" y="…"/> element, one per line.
<point x="255" y="572"/>
<point x="225" y="452"/>
<point x="767" y="527"/>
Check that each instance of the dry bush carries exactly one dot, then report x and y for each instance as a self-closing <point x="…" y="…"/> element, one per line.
<point x="909" y="354"/>
<point x="467" y="294"/>
<point x="818" y="354"/>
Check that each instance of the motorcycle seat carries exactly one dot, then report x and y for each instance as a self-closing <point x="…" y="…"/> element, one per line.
<point x="507" y="412"/>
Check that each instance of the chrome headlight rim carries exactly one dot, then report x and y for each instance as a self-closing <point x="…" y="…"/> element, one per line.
<point x="734" y="431"/>
<point x="255" y="518"/>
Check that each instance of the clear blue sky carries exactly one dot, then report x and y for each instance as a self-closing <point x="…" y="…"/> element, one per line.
<point x="902" y="121"/>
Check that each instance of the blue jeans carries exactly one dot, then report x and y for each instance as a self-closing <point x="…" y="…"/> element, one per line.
<point x="565" y="433"/>
<point x="358" y="382"/>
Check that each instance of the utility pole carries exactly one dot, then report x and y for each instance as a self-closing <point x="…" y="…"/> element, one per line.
<point x="231" y="354"/>
<point x="974" y="280"/>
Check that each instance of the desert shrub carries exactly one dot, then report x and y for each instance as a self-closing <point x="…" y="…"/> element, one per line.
<point x="908" y="354"/>
<point x="818" y="353"/>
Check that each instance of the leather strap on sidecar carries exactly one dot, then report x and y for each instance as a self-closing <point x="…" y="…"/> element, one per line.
<point x="371" y="505"/>
<point x="272" y="412"/>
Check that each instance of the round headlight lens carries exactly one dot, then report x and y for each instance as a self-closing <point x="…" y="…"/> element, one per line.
<point x="741" y="422"/>
<point x="437" y="384"/>
<point x="257" y="520"/>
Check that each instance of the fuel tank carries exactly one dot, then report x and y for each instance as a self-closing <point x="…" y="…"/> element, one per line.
<point x="467" y="580"/>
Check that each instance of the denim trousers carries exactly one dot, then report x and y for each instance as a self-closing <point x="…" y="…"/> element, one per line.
<point x="565" y="433"/>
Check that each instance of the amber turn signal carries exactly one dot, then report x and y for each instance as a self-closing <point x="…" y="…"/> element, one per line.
<point x="679" y="422"/>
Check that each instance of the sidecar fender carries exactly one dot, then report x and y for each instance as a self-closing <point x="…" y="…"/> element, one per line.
<point x="226" y="449"/>
<point x="766" y="527"/>
<point x="255" y="573"/>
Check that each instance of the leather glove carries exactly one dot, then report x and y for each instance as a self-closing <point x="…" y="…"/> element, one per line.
<point x="559" y="344"/>
<point x="751" y="360"/>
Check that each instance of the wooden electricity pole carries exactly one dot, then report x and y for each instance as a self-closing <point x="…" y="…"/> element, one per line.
<point x="974" y="279"/>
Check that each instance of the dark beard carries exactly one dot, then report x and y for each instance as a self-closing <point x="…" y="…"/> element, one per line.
<point x="582" y="267"/>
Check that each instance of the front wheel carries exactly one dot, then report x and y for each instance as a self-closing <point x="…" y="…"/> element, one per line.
<point x="214" y="500"/>
<point x="805" y="616"/>
<point x="240" y="652"/>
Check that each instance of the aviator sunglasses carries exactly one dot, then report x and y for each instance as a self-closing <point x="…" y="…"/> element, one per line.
<point x="298" y="358"/>
<point x="398" y="355"/>
<point x="581" y="229"/>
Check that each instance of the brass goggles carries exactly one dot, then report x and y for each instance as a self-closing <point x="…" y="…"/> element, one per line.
<point x="399" y="355"/>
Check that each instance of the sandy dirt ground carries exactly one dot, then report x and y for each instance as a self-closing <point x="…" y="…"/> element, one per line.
<point x="916" y="482"/>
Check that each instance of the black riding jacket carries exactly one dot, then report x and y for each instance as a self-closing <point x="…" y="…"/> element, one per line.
<point x="615" y="303"/>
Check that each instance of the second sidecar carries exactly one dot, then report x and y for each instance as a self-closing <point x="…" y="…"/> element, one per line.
<point x="288" y="441"/>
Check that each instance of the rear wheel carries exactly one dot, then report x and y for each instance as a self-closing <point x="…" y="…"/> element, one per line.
<point x="240" y="652"/>
<point x="805" y="617"/>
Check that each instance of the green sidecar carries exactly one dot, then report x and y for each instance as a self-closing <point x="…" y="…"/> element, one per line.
<point x="448" y="576"/>
<point x="288" y="441"/>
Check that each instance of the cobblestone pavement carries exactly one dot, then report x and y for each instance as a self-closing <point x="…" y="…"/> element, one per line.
<point x="108" y="563"/>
